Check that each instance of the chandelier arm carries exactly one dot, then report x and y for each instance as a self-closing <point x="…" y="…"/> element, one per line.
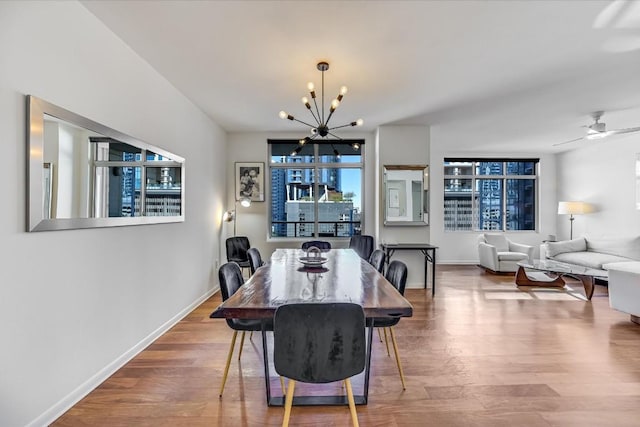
<point x="304" y="123"/>
<point x="317" y="110"/>
<point x="335" y="136"/>
<point x="314" y="116"/>
<point x="341" y="126"/>
<point x="331" y="111"/>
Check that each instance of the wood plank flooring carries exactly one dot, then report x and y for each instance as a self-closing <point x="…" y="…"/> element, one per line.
<point x="481" y="353"/>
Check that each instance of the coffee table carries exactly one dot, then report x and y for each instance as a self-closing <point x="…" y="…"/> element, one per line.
<point x="549" y="273"/>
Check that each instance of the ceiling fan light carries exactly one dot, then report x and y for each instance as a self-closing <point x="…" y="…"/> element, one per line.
<point x="597" y="135"/>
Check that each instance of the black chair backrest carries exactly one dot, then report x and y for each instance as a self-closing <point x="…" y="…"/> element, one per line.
<point x="255" y="259"/>
<point x="397" y="275"/>
<point x="363" y="245"/>
<point x="230" y="277"/>
<point x="319" y="343"/>
<point x="377" y="260"/>
<point x="237" y="248"/>
<point x="320" y="244"/>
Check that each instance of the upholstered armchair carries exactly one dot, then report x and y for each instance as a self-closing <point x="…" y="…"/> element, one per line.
<point x="499" y="254"/>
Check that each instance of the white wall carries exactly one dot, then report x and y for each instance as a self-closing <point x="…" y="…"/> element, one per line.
<point x="601" y="173"/>
<point x="76" y="304"/>
<point x="461" y="247"/>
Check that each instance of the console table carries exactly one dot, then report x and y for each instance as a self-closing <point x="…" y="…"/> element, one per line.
<point x="429" y="252"/>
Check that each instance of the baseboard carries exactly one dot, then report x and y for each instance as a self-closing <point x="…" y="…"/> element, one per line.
<point x="53" y="413"/>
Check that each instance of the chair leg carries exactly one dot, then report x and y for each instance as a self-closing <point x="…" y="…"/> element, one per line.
<point x="241" y="345"/>
<point x="282" y="385"/>
<point x="379" y="334"/>
<point x="288" y="402"/>
<point x="226" y="368"/>
<point x="395" y="350"/>
<point x="352" y="403"/>
<point x="386" y="342"/>
<point x="250" y="335"/>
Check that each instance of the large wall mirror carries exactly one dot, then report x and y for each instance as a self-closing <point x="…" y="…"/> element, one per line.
<point x="83" y="174"/>
<point x="406" y="195"/>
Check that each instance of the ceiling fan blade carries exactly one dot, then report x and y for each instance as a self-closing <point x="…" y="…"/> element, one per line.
<point x="566" y="142"/>
<point x="627" y="130"/>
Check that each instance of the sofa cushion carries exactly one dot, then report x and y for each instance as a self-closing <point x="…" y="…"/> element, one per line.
<point x="588" y="259"/>
<point x="575" y="245"/>
<point x="512" y="256"/>
<point x="497" y="240"/>
<point x="624" y="247"/>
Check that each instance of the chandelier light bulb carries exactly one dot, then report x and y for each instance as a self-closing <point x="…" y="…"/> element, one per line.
<point x="305" y="101"/>
<point x="314" y="131"/>
<point x="283" y="114"/>
<point x="343" y="90"/>
<point x="359" y="122"/>
<point x="311" y="86"/>
<point x="355" y="146"/>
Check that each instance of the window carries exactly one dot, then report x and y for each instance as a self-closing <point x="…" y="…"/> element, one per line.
<point x="318" y="192"/>
<point x="490" y="194"/>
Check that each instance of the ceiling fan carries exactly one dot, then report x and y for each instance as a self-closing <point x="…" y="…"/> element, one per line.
<point x="598" y="130"/>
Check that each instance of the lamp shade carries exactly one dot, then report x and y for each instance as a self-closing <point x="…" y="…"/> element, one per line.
<point x="573" y="208"/>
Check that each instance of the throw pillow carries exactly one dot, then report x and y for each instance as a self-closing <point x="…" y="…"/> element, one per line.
<point x="575" y="245"/>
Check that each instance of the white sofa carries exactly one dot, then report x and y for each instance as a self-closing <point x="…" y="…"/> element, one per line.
<point x="594" y="253"/>
<point x="620" y="258"/>
<point x="499" y="254"/>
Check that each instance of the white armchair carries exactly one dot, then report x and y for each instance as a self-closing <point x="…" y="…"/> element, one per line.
<point x="499" y="254"/>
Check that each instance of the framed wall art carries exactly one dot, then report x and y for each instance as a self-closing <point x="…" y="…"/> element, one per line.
<point x="250" y="181"/>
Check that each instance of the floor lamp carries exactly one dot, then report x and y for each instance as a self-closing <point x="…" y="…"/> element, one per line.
<point x="571" y="209"/>
<point x="231" y="215"/>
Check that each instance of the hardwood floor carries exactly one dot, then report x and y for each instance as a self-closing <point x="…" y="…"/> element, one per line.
<point x="481" y="353"/>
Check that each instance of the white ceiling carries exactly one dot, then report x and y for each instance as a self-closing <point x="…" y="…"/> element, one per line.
<point x="513" y="76"/>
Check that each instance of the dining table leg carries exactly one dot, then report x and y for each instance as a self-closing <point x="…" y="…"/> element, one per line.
<point x="265" y="357"/>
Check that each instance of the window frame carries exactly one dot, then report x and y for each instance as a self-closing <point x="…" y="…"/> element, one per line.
<point x="316" y="166"/>
<point x="504" y="177"/>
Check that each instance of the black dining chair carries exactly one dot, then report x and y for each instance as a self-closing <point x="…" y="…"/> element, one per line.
<point x="255" y="259"/>
<point x="363" y="245"/>
<point x="231" y="279"/>
<point x="377" y="259"/>
<point x="319" y="343"/>
<point x="320" y="244"/>
<point x="237" y="248"/>
<point x="397" y="276"/>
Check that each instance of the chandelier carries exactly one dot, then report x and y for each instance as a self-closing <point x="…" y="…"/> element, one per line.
<point x="321" y="127"/>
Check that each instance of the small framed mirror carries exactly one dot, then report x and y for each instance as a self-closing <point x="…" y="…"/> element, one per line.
<point x="83" y="174"/>
<point x="406" y="195"/>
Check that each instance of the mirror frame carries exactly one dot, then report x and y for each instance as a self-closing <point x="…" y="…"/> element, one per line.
<point x="36" y="109"/>
<point x="424" y="202"/>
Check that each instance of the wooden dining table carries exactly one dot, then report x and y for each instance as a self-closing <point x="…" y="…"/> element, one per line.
<point x="344" y="277"/>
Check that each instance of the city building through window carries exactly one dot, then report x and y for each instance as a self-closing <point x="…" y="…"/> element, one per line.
<point x="490" y="194"/>
<point x="317" y="192"/>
